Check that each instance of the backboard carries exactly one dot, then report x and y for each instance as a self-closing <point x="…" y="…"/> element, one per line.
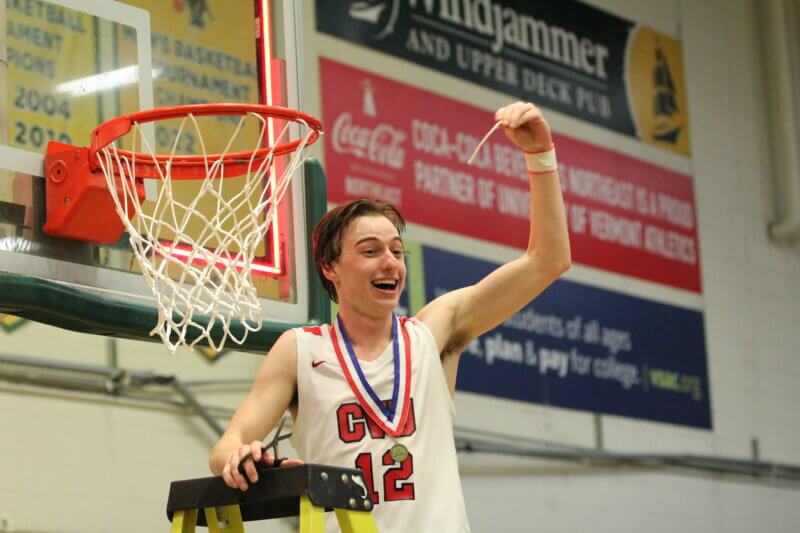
<point x="69" y="65"/>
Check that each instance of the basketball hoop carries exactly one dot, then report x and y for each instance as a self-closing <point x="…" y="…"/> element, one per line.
<point x="201" y="280"/>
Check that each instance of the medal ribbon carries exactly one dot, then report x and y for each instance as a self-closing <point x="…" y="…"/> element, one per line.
<point x="392" y="419"/>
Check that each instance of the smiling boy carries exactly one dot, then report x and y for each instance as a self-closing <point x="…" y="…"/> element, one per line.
<point x="374" y="390"/>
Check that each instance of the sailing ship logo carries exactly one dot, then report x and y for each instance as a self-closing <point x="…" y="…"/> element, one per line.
<point x="656" y="91"/>
<point x="668" y="123"/>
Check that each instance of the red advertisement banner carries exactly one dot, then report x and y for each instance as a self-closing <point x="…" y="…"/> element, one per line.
<point x="409" y="147"/>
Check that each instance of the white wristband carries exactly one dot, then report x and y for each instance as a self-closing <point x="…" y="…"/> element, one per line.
<point x="542" y="162"/>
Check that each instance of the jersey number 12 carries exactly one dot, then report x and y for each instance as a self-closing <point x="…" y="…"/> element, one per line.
<point x="395" y="479"/>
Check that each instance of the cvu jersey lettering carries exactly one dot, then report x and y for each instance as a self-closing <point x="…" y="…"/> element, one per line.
<point x="354" y="424"/>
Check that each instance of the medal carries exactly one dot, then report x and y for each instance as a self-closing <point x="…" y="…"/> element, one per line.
<point x="399" y="453"/>
<point x="391" y="418"/>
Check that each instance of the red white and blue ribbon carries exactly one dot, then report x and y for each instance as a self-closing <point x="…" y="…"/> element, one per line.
<point x="391" y="419"/>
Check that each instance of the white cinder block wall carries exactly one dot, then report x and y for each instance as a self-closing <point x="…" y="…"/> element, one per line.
<point x="78" y="463"/>
<point x="751" y="301"/>
<point x="83" y="463"/>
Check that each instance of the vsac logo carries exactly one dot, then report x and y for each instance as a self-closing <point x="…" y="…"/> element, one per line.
<point x="380" y="14"/>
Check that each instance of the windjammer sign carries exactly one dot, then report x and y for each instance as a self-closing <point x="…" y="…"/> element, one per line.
<point x="560" y="54"/>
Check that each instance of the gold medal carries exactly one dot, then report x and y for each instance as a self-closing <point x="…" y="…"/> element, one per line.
<point x="399" y="453"/>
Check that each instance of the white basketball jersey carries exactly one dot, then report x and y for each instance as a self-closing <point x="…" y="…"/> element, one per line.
<point x="419" y="494"/>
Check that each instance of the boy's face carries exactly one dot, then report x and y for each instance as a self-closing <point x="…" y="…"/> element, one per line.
<point x="370" y="273"/>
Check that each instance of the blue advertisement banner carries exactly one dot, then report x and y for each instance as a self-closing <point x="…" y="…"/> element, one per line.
<point x="585" y="348"/>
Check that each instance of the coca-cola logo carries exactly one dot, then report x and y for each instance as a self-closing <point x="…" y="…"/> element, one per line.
<point x="381" y="144"/>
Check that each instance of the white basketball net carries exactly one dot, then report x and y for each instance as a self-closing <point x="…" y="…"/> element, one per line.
<point x="201" y="281"/>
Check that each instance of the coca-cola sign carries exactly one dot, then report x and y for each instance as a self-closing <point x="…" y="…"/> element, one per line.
<point x="409" y="147"/>
<point x="381" y="144"/>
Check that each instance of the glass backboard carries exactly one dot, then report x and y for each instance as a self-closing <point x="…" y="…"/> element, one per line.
<point x="70" y="65"/>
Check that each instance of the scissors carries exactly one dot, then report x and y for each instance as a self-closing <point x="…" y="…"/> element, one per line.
<point x="273" y="444"/>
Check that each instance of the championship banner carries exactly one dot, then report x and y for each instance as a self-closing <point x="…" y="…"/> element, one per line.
<point x="625" y="215"/>
<point x="580" y="347"/>
<point x="202" y="52"/>
<point x="562" y="54"/>
<point x="48" y="46"/>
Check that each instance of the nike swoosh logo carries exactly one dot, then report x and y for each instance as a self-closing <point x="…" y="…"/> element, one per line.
<point x="315" y="364"/>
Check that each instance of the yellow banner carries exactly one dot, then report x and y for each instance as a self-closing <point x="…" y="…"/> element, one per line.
<point x="49" y="46"/>
<point x="203" y="51"/>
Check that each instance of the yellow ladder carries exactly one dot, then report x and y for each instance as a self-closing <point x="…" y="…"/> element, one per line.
<point x="307" y="490"/>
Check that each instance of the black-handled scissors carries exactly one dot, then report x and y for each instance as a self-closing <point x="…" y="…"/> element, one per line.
<point x="273" y="444"/>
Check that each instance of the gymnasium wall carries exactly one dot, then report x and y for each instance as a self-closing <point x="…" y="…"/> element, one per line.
<point x="77" y="462"/>
<point x="748" y="300"/>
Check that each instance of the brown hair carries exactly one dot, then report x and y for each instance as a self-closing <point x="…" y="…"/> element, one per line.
<point x="327" y="236"/>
